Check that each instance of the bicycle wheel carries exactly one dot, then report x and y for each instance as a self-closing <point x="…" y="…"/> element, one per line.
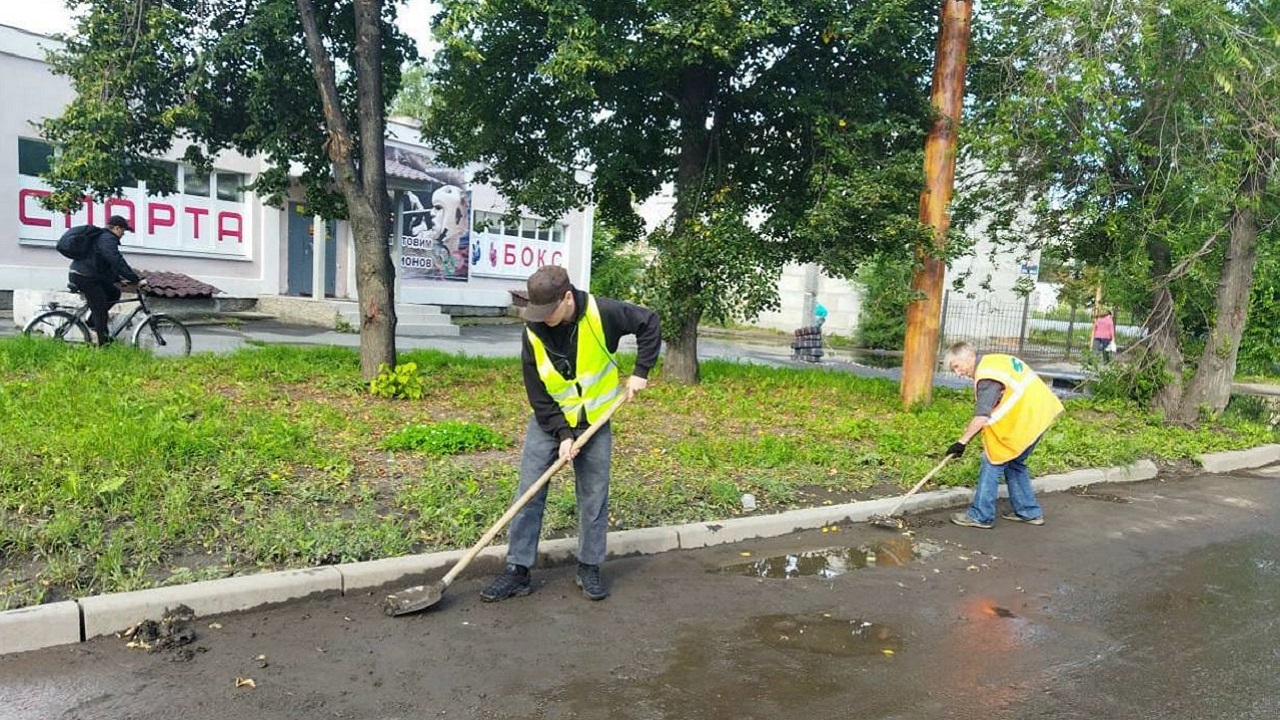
<point x="58" y="325"/>
<point x="163" y="336"/>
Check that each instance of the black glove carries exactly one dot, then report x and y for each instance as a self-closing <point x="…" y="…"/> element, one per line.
<point x="956" y="450"/>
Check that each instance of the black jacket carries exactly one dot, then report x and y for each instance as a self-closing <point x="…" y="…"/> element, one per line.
<point x="619" y="319"/>
<point x="105" y="262"/>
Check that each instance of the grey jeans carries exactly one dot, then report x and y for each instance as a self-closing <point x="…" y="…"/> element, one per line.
<point x="591" y="476"/>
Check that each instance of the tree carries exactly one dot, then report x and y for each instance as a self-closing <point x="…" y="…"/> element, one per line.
<point x="780" y="123"/>
<point x="415" y="91"/>
<point x="300" y="82"/>
<point x="1144" y="134"/>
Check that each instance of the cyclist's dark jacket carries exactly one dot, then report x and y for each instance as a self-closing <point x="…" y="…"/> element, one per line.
<point x="105" y="262"/>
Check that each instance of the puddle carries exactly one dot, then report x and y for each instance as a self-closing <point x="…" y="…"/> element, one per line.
<point x="826" y="635"/>
<point x="830" y="562"/>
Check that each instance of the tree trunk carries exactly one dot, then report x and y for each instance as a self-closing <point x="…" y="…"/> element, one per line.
<point x="1162" y="330"/>
<point x="1210" y="387"/>
<point x="363" y="188"/>
<point x="682" y="352"/>
<point x="920" y="347"/>
<point x="696" y="87"/>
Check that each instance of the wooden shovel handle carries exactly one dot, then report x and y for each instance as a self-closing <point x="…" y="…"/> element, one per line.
<point x="946" y="459"/>
<point x="528" y="494"/>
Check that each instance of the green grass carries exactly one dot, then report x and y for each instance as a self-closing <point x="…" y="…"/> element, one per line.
<point x="120" y="471"/>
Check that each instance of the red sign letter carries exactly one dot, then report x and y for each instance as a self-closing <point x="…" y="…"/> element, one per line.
<point x="196" y="213"/>
<point x="154" y="220"/>
<point x="225" y="230"/>
<point x="508" y="254"/>
<point x="125" y="203"/>
<point x="23" y="217"/>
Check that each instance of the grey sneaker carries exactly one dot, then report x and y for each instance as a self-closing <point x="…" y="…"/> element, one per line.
<point x="962" y="518"/>
<point x="1018" y="518"/>
<point x="589" y="580"/>
<point x="514" y="581"/>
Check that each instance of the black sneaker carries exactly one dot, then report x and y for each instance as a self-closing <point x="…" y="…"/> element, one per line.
<point x="512" y="582"/>
<point x="589" y="580"/>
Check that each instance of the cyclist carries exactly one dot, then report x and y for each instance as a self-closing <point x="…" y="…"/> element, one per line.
<point x="96" y="276"/>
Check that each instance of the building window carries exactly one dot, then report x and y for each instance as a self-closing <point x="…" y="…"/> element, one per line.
<point x="229" y="186"/>
<point x="33" y="156"/>
<point x="194" y="182"/>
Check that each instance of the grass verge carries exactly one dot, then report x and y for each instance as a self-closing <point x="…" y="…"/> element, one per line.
<point x="120" y="471"/>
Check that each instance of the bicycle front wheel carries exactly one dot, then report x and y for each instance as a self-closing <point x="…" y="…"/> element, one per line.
<point x="163" y="336"/>
<point x="58" y="325"/>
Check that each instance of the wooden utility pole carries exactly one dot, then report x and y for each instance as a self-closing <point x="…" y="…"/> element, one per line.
<point x="940" y="172"/>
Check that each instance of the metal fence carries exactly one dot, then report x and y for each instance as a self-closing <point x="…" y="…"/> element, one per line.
<point x="1012" y="327"/>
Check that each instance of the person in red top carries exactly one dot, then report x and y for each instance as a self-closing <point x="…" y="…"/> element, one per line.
<point x="1104" y="333"/>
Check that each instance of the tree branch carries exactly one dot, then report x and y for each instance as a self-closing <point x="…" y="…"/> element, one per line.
<point x="339" y="143"/>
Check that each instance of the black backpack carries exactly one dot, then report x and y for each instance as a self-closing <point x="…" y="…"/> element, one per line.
<point x="78" y="242"/>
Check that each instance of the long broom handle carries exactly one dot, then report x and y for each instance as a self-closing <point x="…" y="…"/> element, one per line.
<point x="945" y="459"/>
<point x="528" y="494"/>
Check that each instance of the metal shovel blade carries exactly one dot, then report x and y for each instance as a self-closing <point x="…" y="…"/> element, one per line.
<point x="414" y="599"/>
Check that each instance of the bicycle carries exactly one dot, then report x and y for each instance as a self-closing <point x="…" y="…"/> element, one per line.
<point x="157" y="333"/>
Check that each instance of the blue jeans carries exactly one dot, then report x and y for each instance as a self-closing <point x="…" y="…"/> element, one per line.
<point x="591" y="484"/>
<point x="1017" y="477"/>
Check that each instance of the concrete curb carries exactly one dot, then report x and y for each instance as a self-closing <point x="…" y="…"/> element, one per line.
<point x="105" y="614"/>
<point x="72" y="621"/>
<point x="1222" y="462"/>
<point x="40" y="626"/>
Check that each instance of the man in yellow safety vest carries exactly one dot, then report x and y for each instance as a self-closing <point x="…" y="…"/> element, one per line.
<point x="571" y="378"/>
<point x="1014" y="407"/>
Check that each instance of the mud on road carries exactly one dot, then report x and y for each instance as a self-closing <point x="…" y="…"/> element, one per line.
<point x="1151" y="600"/>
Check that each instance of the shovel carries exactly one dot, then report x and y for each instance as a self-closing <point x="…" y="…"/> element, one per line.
<point x="421" y="597"/>
<point x="891" y="521"/>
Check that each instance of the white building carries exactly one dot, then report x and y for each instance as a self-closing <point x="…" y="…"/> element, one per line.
<point x="453" y="247"/>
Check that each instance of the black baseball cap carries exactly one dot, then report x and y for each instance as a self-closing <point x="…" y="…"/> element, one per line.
<point x="547" y="287"/>
<point x="120" y="222"/>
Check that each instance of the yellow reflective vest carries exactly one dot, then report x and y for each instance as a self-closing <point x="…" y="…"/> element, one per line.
<point x="596" y="384"/>
<point x="1024" y="412"/>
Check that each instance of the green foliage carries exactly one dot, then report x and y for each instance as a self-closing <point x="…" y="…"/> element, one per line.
<point x="228" y="75"/>
<point x="414" y="97"/>
<point x="886" y="281"/>
<point x="402" y="382"/>
<point x="1138" y="378"/>
<point x="616" y="266"/>
<point x="446" y="438"/>
<point x="1137" y="138"/>
<point x="789" y="129"/>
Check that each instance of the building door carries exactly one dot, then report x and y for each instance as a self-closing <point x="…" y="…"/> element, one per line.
<point x="302" y="254"/>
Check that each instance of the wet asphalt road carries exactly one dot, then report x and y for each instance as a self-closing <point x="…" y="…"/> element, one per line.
<point x="1154" y="600"/>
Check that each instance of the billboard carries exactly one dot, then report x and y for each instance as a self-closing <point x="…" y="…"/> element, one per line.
<point x="434" y="230"/>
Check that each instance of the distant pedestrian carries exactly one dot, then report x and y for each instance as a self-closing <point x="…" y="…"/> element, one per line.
<point x="571" y="378"/>
<point x="1014" y="407"/>
<point x="1104" y="333"/>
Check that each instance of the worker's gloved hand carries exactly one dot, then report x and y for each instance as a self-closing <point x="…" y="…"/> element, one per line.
<point x="956" y="450"/>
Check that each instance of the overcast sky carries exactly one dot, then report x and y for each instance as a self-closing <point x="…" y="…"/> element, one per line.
<point x="50" y="16"/>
